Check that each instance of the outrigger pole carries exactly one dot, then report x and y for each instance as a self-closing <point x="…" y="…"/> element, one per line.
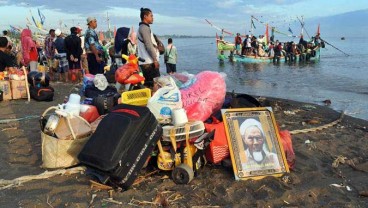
<point x="302" y="23"/>
<point x="334" y="47"/>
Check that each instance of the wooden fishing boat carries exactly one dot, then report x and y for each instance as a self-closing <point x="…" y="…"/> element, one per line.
<point x="253" y="59"/>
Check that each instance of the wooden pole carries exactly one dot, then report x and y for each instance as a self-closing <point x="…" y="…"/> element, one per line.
<point x="26" y="80"/>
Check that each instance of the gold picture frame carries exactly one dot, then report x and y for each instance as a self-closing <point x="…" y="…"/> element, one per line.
<point x="255" y="146"/>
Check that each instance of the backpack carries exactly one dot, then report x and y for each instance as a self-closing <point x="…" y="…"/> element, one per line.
<point x="160" y="45"/>
<point x="110" y="75"/>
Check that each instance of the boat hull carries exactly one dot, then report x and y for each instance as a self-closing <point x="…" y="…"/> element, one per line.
<point x="253" y="59"/>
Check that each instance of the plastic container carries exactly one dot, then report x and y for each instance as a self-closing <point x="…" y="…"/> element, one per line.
<point x="179" y="117"/>
<point x="89" y="113"/>
<point x="136" y="97"/>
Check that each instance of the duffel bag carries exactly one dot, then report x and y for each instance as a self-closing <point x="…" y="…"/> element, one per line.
<point x="92" y="91"/>
<point x="42" y="93"/>
<point x="38" y="79"/>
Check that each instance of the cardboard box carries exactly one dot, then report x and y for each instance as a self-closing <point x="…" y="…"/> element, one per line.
<point x="18" y="89"/>
<point x="81" y="129"/>
<point x="5" y="87"/>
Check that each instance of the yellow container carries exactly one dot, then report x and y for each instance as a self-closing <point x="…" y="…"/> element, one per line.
<point x="136" y="97"/>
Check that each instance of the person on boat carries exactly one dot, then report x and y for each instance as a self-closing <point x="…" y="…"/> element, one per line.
<point x="93" y="48"/>
<point x="249" y="45"/>
<point x="254" y="45"/>
<point x="172" y="56"/>
<point x="293" y="52"/>
<point x="302" y="52"/>
<point x="277" y="49"/>
<point x="146" y="48"/>
<point x="271" y="51"/>
<point x="238" y="42"/>
<point x="260" y="51"/>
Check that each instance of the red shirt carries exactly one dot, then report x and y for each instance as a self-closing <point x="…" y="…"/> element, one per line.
<point x="238" y="40"/>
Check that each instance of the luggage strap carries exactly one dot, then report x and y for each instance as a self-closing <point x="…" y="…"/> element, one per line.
<point x="40" y="90"/>
<point x="131" y="112"/>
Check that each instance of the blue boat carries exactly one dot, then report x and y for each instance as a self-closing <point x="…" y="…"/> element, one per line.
<point x="253" y="59"/>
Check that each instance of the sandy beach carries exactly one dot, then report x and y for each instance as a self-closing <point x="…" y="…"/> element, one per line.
<point x="331" y="169"/>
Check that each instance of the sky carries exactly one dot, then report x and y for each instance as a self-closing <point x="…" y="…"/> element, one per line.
<point x="181" y="17"/>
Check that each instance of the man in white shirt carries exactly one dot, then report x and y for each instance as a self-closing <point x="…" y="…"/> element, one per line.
<point x="147" y="48"/>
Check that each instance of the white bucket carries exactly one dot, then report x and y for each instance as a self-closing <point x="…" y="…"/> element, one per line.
<point x="179" y="117"/>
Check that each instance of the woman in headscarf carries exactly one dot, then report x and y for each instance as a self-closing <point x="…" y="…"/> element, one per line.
<point x="29" y="50"/>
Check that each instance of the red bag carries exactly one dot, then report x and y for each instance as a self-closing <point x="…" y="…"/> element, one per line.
<point x="218" y="148"/>
<point x="288" y="148"/>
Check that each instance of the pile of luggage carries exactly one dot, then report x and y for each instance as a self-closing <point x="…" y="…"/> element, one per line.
<point x="173" y="127"/>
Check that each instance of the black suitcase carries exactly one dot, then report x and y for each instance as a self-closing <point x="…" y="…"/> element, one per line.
<point x="121" y="144"/>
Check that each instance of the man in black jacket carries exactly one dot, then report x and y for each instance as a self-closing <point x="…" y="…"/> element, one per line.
<point x="74" y="52"/>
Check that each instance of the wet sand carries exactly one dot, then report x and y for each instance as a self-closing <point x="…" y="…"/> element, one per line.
<point x="309" y="184"/>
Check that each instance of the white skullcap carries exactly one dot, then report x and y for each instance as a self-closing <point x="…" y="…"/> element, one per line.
<point x="57" y="32"/>
<point x="248" y="123"/>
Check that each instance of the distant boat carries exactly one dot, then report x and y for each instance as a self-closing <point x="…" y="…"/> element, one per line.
<point x="342" y="38"/>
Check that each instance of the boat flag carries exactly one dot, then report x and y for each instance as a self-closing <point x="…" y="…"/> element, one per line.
<point x="290" y="30"/>
<point x="318" y="32"/>
<point x="114" y="31"/>
<point x="42" y="17"/>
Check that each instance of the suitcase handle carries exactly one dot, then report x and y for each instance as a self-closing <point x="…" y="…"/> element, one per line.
<point x="131" y="112"/>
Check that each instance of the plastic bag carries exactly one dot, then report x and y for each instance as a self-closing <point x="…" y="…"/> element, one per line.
<point x="205" y="95"/>
<point x="87" y="81"/>
<point x="100" y="82"/>
<point x="165" y="99"/>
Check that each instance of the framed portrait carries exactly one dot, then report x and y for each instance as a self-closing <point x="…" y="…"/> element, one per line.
<point x="255" y="146"/>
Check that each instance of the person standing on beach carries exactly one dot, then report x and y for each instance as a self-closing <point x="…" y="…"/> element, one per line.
<point x="29" y="50"/>
<point x="171" y="57"/>
<point x="5" y="59"/>
<point x="93" y="48"/>
<point x="49" y="47"/>
<point x="74" y="52"/>
<point x="146" y="48"/>
<point x="63" y="68"/>
<point x="84" y="62"/>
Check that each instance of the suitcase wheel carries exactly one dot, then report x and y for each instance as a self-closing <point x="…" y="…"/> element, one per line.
<point x="182" y="174"/>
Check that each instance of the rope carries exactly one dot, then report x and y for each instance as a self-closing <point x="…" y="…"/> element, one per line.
<point x="5" y="121"/>
<point x="319" y="127"/>
<point x="5" y="184"/>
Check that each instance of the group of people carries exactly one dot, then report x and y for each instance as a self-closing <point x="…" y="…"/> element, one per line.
<point x="261" y="47"/>
<point x="76" y="53"/>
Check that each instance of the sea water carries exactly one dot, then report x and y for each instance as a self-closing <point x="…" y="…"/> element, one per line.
<point x="336" y="77"/>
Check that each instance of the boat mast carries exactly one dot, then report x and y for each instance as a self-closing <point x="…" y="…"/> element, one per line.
<point x="108" y="24"/>
<point x="302" y="25"/>
<point x="251" y="25"/>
